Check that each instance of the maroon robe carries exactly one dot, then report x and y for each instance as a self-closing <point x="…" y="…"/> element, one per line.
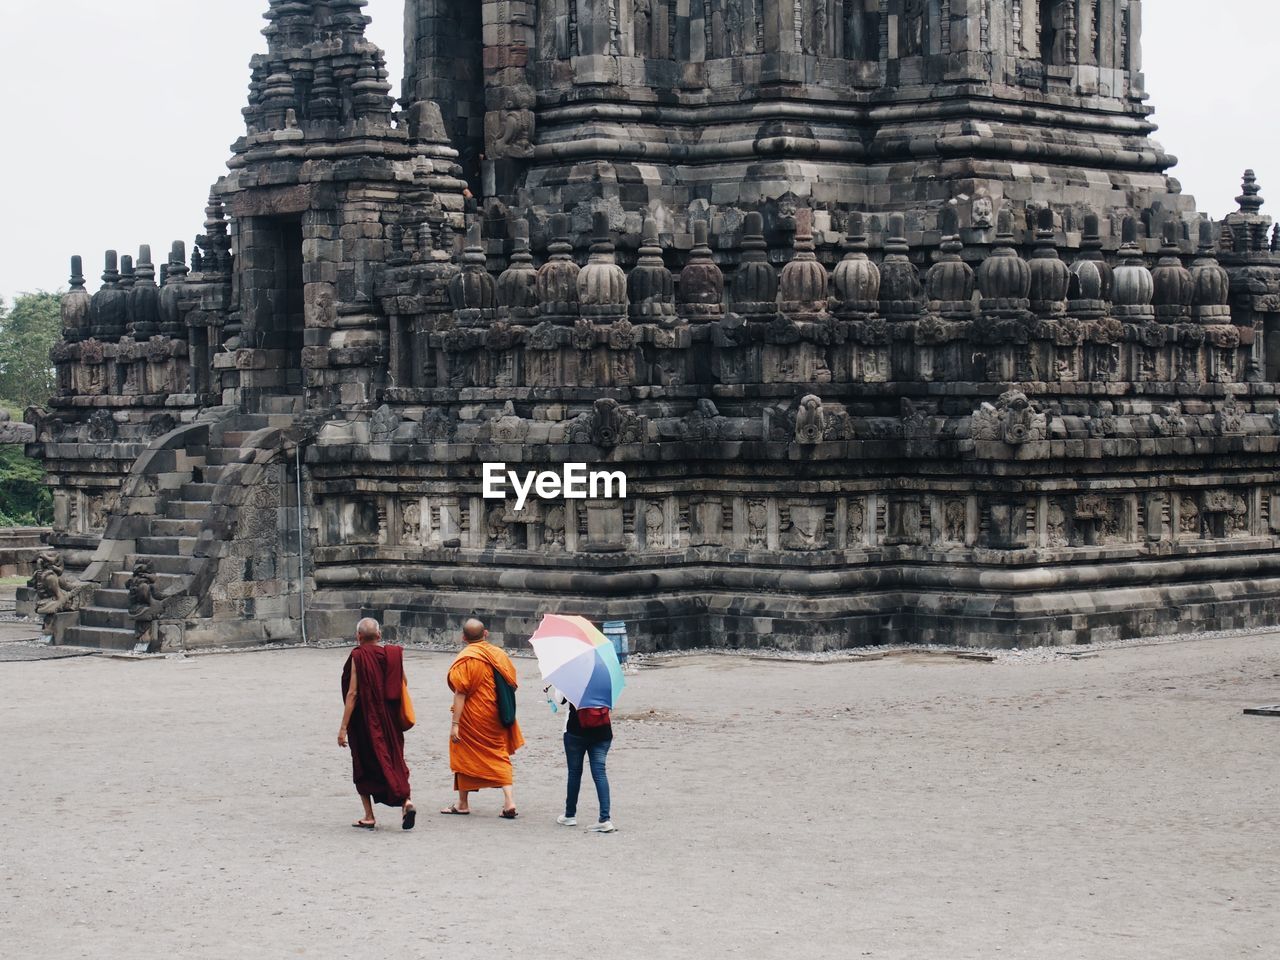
<point x="377" y="742"/>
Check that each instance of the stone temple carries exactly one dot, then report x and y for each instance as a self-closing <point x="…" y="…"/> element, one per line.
<point x="889" y="310"/>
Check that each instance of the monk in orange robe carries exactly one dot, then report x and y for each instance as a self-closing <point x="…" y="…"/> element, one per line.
<point x="481" y="745"/>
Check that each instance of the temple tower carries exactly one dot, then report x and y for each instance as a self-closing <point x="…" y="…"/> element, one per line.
<point x="680" y="109"/>
<point x="319" y="190"/>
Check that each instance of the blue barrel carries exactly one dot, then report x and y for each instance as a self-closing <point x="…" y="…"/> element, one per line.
<point x="616" y="631"/>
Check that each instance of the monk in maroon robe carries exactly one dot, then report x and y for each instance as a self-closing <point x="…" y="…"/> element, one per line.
<point x="372" y="684"/>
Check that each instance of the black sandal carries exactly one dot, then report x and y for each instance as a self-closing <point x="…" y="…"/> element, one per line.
<point x="509" y="814"/>
<point x="365" y="824"/>
<point x="410" y="818"/>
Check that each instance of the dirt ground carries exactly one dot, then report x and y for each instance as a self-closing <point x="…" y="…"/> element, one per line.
<point x="914" y="808"/>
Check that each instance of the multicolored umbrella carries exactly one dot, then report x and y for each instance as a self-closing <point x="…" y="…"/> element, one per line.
<point x="579" y="660"/>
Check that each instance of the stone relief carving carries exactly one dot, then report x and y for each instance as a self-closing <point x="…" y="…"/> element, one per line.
<point x="1013" y="420"/>
<point x="509" y="134"/>
<point x="807" y="528"/>
<point x="811" y="422"/>
<point x="102" y="426"/>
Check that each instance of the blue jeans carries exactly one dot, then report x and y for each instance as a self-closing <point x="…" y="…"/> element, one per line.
<point x="575" y="748"/>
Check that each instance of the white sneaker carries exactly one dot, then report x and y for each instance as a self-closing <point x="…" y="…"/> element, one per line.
<point x="606" y="827"/>
<point x="567" y="821"/>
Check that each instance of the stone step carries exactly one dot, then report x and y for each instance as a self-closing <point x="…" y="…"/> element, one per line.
<point x="166" y="546"/>
<point x="165" y="584"/>
<point x="187" y="509"/>
<point x="163" y="564"/>
<point x="103" y="638"/>
<point x="221" y="457"/>
<point x="198" y="491"/>
<point x="213" y="472"/>
<point x="165" y="527"/>
<point x="115" y="596"/>
<point x="113" y="617"/>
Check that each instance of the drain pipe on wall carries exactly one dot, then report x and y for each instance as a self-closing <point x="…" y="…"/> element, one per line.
<point x="302" y="571"/>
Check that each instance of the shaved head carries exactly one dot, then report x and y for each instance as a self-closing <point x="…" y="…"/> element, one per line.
<point x="474" y="630"/>
<point x="368" y="629"/>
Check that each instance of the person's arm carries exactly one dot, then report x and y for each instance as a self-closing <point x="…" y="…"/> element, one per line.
<point x="455" y="730"/>
<point x="348" y="708"/>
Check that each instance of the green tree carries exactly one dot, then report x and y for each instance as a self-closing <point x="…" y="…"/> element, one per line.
<point x="28" y="330"/>
<point x="24" y="498"/>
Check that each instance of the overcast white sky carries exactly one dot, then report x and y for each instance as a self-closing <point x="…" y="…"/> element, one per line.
<point x="116" y="117"/>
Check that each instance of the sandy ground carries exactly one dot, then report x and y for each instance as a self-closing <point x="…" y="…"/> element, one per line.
<point x="914" y="808"/>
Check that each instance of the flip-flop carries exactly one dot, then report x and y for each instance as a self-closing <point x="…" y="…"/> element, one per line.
<point x="509" y="814"/>
<point x="363" y="825"/>
<point x="455" y="812"/>
<point x="410" y="818"/>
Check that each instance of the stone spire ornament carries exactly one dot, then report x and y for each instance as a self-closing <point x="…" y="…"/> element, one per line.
<point x="803" y="284"/>
<point x="472" y="288"/>
<point x="650" y="287"/>
<point x="1211" y="284"/>
<point x="172" y="292"/>
<point x="602" y="286"/>
<point x="701" y="295"/>
<point x="950" y="281"/>
<point x="1004" y="278"/>
<point x="1173" y="284"/>
<point x="557" y="284"/>
<point x="1134" y="286"/>
<point x="107" y="316"/>
<point x="902" y="295"/>
<point x="1091" y="275"/>
<point x="856" y="277"/>
<point x="518" y="284"/>
<point x="1050" y="276"/>
<point x="755" y="285"/>
<point x="75" y="304"/>
<point x="144" y="298"/>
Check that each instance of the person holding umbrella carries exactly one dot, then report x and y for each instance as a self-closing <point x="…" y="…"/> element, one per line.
<point x="582" y="664"/>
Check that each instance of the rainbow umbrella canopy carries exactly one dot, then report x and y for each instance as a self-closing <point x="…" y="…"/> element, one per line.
<point x="579" y="660"/>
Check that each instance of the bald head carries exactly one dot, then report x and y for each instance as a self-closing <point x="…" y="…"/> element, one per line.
<point x="368" y="630"/>
<point x="473" y="631"/>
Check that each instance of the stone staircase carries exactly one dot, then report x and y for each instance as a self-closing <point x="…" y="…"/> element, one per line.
<point x="171" y="523"/>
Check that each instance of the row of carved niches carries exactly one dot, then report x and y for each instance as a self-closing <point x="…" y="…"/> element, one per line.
<point x="932" y="426"/>
<point x="993" y="282"/>
<point x="124" y="368"/>
<point x="825" y="349"/>
<point x="405" y="526"/>
<point x="865" y="30"/>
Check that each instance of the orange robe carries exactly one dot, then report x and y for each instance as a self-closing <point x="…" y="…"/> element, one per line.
<point x="483" y="757"/>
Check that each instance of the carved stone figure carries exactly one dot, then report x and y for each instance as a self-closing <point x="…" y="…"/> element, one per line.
<point x="55" y="593"/>
<point x="911" y="29"/>
<point x="808" y="527"/>
<point x="144" y="603"/>
<point x="411" y="524"/>
<point x="642" y="20"/>
<point x="757" y="523"/>
<point x="735" y="24"/>
<point x="509" y="133"/>
<point x="553" y="529"/>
